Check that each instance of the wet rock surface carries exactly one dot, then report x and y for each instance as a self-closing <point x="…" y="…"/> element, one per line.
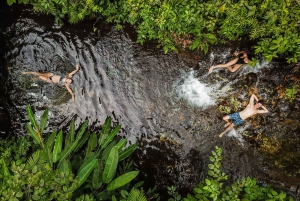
<point x="138" y="86"/>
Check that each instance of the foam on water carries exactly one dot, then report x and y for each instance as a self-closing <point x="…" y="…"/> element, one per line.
<point x="236" y="133"/>
<point x="193" y="91"/>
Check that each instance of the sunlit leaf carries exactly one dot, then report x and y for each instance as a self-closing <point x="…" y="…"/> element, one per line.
<point x="105" y="130"/>
<point x="110" y="165"/>
<point x="44" y="119"/>
<point x="126" y="152"/>
<point x="122" y="180"/>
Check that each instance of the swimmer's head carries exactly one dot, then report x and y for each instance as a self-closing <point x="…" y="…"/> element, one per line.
<point x="258" y="104"/>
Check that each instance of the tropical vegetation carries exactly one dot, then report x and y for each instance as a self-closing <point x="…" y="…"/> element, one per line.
<point x="86" y="166"/>
<point x="81" y="165"/>
<point x="195" y="24"/>
<point x="216" y="187"/>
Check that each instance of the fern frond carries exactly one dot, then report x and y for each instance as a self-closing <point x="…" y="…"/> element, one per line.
<point x="37" y="159"/>
<point x="136" y="195"/>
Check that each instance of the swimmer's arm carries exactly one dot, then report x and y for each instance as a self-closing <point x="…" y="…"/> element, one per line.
<point x="265" y="110"/>
<point x="236" y="53"/>
<point x="252" y="98"/>
<point x="70" y="91"/>
<point x="73" y="72"/>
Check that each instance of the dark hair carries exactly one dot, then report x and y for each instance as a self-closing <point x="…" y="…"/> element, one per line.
<point x="250" y="56"/>
<point x="260" y="101"/>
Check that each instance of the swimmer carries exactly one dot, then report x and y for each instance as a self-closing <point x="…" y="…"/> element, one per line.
<point x="57" y="79"/>
<point x="239" y="117"/>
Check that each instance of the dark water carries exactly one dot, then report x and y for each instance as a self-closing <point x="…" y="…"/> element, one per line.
<point x="155" y="97"/>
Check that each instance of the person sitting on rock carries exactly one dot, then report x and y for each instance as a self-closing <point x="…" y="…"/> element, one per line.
<point x="235" y="64"/>
<point x="57" y="79"/>
<point x="239" y="117"/>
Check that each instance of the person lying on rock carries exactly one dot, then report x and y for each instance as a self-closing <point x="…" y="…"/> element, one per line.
<point x="239" y="117"/>
<point x="235" y="64"/>
<point x="57" y="79"/>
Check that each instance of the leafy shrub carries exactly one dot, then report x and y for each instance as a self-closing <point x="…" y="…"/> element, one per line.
<point x="215" y="186"/>
<point x="84" y="165"/>
<point x="291" y="92"/>
<point x="193" y="24"/>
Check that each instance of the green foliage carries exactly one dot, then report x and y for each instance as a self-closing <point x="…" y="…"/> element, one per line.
<point x="215" y="186"/>
<point x="193" y="24"/>
<point x="15" y="149"/>
<point x="172" y="191"/>
<point x="54" y="168"/>
<point x="253" y="62"/>
<point x="136" y="195"/>
<point x="139" y="195"/>
<point x="291" y="92"/>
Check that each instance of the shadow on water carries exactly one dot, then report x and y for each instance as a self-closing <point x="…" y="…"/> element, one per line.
<point x="171" y="110"/>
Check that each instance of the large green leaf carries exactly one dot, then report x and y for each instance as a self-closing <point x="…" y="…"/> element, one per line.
<point x="86" y="171"/>
<point x="51" y="139"/>
<point x="83" y="140"/>
<point x="31" y="117"/>
<point x="67" y="151"/>
<point x="48" y="155"/>
<point x="105" y="130"/>
<point x="106" y="151"/>
<point x="92" y="144"/>
<point x="34" y="134"/>
<point x="120" y="145"/>
<point x="122" y="180"/>
<point x="57" y="147"/>
<point x="111" y="136"/>
<point x="81" y="130"/>
<point x="110" y="165"/>
<point x="70" y="136"/>
<point x="44" y="120"/>
<point x="126" y="152"/>
<point x="86" y="162"/>
<point x="96" y="179"/>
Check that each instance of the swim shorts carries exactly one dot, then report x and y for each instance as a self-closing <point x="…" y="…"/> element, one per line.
<point x="235" y="117"/>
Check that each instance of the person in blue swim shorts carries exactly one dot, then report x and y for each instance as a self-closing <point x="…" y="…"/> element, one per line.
<point x="238" y="118"/>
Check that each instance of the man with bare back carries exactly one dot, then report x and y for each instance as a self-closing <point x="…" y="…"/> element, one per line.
<point x="239" y="117"/>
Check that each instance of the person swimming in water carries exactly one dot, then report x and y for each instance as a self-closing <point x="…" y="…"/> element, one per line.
<point x="239" y="117"/>
<point x="235" y="64"/>
<point x="57" y="79"/>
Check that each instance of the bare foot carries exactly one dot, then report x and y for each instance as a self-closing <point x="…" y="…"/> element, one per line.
<point x="211" y="69"/>
<point x="226" y="125"/>
<point x="221" y="134"/>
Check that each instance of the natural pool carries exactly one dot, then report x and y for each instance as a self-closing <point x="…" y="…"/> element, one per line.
<point x="170" y="108"/>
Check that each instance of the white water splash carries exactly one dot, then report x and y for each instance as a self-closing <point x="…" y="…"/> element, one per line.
<point x="193" y="91"/>
<point x="236" y="134"/>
